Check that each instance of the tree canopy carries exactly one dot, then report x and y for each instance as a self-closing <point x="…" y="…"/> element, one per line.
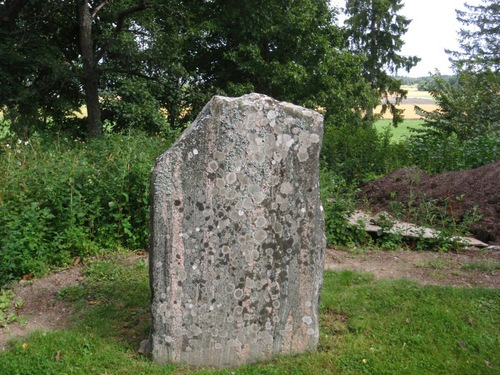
<point x="152" y="64"/>
<point x="479" y="38"/>
<point x="470" y="106"/>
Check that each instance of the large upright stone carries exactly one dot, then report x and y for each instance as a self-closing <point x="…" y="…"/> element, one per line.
<point x="237" y="235"/>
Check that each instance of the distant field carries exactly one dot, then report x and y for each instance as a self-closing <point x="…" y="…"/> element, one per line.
<point x="402" y="129"/>
<point x="414" y="93"/>
<point x="421" y="98"/>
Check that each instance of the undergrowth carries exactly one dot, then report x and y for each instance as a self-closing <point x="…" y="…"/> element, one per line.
<point x="62" y="198"/>
<point x="9" y="305"/>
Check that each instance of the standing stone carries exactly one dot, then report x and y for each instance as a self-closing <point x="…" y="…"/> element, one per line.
<point x="237" y="235"/>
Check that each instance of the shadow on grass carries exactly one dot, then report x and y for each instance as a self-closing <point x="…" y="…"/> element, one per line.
<point x="113" y="301"/>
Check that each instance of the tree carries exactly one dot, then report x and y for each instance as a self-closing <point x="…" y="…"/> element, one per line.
<point x="480" y="40"/>
<point x="468" y="108"/>
<point x="92" y="51"/>
<point x="374" y="28"/>
<point x="288" y="50"/>
<point x="130" y="60"/>
<point x="35" y="64"/>
<point x="73" y="37"/>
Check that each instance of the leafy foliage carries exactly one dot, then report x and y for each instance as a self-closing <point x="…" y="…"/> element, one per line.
<point x="156" y="63"/>
<point x="38" y="82"/>
<point x="62" y="198"/>
<point x="436" y="155"/>
<point x="359" y="153"/>
<point x="467" y="109"/>
<point x="339" y="202"/>
<point x="8" y="306"/>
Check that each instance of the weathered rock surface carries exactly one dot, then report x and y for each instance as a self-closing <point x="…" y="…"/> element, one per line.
<point x="237" y="235"/>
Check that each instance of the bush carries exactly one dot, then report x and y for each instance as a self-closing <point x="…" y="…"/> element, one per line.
<point x="62" y="198"/>
<point x="360" y="153"/>
<point x="435" y="154"/>
<point x="468" y="108"/>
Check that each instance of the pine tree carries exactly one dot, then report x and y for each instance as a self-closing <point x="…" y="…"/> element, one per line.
<point x="480" y="39"/>
<point x="375" y="29"/>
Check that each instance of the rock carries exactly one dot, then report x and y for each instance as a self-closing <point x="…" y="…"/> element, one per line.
<point x="385" y="223"/>
<point x="237" y="236"/>
<point x="144" y="347"/>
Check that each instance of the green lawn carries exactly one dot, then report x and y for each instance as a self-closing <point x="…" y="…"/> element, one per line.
<point x="367" y="327"/>
<point x="402" y="129"/>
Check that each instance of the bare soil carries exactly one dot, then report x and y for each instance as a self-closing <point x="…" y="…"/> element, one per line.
<point x="45" y="312"/>
<point x="428" y="268"/>
<point x="456" y="192"/>
<point x="41" y="307"/>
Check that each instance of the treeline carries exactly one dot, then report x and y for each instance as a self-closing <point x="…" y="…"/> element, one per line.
<point x="424" y="82"/>
<point x="152" y="64"/>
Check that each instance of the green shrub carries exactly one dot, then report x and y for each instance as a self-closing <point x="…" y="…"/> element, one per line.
<point x="358" y="153"/>
<point x="339" y="201"/>
<point x="436" y="154"/>
<point x="62" y="198"/>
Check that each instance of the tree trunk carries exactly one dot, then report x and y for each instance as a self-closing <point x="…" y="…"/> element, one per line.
<point x="90" y="74"/>
<point x="371" y="58"/>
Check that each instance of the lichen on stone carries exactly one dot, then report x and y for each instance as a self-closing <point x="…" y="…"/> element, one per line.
<point x="237" y="235"/>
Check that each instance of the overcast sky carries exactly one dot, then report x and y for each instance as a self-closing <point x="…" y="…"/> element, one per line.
<point x="433" y="29"/>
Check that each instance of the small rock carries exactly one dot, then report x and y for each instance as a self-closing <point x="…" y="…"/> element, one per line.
<point x="144" y="347"/>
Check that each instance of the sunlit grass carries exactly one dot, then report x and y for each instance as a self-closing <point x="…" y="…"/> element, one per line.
<point x="401" y="130"/>
<point x="383" y="327"/>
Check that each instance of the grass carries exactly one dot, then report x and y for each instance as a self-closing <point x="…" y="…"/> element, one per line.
<point x="402" y="129"/>
<point x="482" y="265"/>
<point x="367" y="326"/>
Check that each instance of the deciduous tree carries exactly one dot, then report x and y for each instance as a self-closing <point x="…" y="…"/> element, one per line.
<point x="467" y="108"/>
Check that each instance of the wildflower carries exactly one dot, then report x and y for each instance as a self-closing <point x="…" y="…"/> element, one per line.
<point x="26" y="143"/>
<point x="19" y="141"/>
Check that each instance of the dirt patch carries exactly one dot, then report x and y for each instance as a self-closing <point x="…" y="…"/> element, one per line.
<point x="473" y="268"/>
<point x="41" y="307"/>
<point x="457" y="192"/>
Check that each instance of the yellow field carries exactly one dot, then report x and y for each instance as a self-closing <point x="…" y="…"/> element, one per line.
<point x="409" y="111"/>
<point x="414" y="93"/>
<point x="409" y="105"/>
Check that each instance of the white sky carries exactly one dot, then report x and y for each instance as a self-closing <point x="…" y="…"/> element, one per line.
<point x="433" y="29"/>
